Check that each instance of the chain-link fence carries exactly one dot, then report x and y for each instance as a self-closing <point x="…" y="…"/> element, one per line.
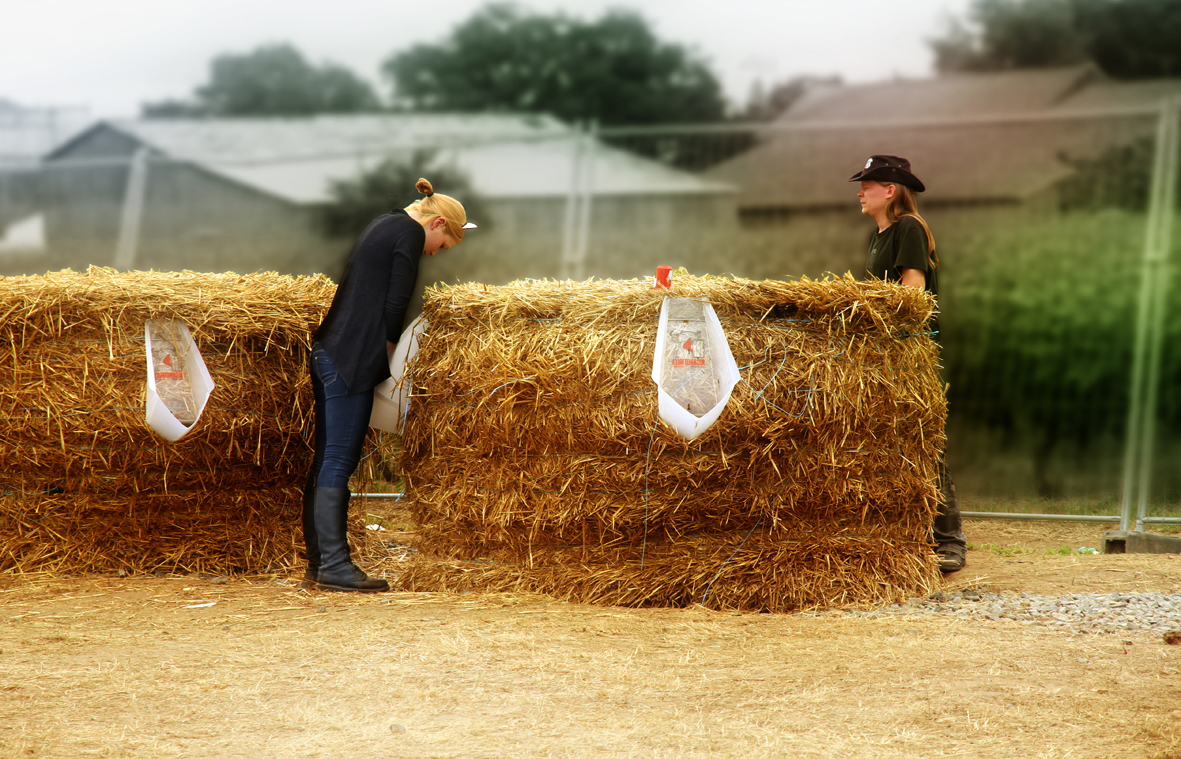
<point x="1058" y="323"/>
<point x="1058" y="320"/>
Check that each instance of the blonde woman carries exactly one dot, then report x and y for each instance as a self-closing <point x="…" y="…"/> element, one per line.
<point x="903" y="250"/>
<point x="350" y="357"/>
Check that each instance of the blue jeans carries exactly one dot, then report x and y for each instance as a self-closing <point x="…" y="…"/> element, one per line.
<point x="342" y="419"/>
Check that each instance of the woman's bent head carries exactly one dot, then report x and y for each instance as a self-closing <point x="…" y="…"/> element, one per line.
<point x="436" y="206"/>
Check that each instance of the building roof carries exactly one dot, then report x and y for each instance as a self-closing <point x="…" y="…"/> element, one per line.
<point x="947" y="96"/>
<point x="969" y="137"/>
<point x="28" y="134"/>
<point x="297" y="159"/>
<point x="1108" y="93"/>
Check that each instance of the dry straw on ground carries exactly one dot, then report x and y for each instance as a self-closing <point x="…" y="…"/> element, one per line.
<point x="86" y="485"/>
<point x="536" y="461"/>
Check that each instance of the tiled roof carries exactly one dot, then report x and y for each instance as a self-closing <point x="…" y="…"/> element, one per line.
<point x="948" y="96"/>
<point x="1112" y="94"/>
<point x="982" y="137"/>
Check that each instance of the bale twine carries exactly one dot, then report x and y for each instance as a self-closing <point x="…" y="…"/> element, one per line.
<point x="535" y="459"/>
<point x="87" y="486"/>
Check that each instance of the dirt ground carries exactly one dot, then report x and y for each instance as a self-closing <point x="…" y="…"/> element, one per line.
<point x="204" y="667"/>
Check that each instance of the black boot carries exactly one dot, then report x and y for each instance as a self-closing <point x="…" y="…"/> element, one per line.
<point x="330" y="508"/>
<point x="310" y="541"/>
<point x="951" y="545"/>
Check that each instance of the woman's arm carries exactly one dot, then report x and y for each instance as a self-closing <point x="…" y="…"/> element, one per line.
<point x="913" y="278"/>
<point x="911" y="257"/>
<point x="404" y="253"/>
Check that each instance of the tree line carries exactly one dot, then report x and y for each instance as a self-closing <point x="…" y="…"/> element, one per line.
<point x="1126" y="39"/>
<point x="615" y="71"/>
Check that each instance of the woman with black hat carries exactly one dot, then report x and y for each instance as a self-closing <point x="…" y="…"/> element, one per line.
<point x="903" y="250"/>
<point x="350" y="357"/>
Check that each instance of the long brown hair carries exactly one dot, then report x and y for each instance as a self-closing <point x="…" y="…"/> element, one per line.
<point x="904" y="203"/>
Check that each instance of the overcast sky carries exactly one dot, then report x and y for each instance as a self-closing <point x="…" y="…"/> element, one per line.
<point x="113" y="55"/>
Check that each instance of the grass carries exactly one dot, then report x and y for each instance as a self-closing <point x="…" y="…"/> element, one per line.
<point x="388" y="513"/>
<point x="1007" y="551"/>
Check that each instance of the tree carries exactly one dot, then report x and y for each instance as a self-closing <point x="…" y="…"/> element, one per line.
<point x="613" y="70"/>
<point x="1131" y="39"/>
<point x="766" y="105"/>
<point x="172" y="108"/>
<point x="389" y="185"/>
<point x="1012" y="34"/>
<point x="1118" y="177"/>
<point x="273" y="80"/>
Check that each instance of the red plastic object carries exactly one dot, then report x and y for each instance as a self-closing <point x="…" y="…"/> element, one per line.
<point x="662" y="275"/>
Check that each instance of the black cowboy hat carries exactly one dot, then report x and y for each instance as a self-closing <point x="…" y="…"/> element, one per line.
<point x="888" y="168"/>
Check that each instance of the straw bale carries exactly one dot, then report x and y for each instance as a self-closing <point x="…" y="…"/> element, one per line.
<point x="613" y="497"/>
<point x="534" y="427"/>
<point x="214" y="532"/>
<point x="75" y="416"/>
<point x="72" y="406"/>
<point x="810" y="567"/>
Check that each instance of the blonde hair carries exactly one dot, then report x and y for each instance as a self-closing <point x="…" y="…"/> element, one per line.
<point x="904" y="203"/>
<point x="436" y="205"/>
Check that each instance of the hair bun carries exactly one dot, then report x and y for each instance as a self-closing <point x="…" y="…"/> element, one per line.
<point x="424" y="187"/>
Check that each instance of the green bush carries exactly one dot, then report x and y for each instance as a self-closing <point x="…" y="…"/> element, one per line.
<point x="1039" y="326"/>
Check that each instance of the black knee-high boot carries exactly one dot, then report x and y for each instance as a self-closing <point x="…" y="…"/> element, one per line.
<point x="310" y="541"/>
<point x="947" y="530"/>
<point x="330" y="508"/>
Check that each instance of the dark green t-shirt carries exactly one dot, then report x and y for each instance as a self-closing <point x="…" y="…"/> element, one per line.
<point x="902" y="245"/>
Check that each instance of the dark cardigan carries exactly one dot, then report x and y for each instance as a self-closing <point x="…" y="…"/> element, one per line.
<point x="371" y="300"/>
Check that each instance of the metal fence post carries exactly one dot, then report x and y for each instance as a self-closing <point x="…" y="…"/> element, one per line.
<point x="570" y="222"/>
<point x="1150" y="316"/>
<point x="133" y="210"/>
<point x="586" y="198"/>
<point x="576" y="229"/>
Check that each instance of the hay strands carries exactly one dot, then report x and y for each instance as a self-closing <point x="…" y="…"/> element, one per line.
<point x="97" y="489"/>
<point x="533" y="428"/>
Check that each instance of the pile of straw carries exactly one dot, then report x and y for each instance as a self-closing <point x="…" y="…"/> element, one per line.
<point x="535" y="459"/>
<point x="87" y="486"/>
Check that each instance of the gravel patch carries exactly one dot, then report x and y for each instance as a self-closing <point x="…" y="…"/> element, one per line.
<point x="1113" y="613"/>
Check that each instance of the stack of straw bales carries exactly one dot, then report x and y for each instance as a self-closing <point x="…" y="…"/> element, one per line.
<point x="86" y="485"/>
<point x="536" y="461"/>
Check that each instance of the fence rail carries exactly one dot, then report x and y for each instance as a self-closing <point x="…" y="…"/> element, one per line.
<point x="1062" y="339"/>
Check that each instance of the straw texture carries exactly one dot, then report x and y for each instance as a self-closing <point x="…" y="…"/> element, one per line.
<point x="536" y="461"/>
<point x="87" y="486"/>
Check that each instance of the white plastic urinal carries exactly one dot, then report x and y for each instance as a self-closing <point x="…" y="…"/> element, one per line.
<point x="179" y="384"/>
<point x="391" y="399"/>
<point x="693" y="367"/>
